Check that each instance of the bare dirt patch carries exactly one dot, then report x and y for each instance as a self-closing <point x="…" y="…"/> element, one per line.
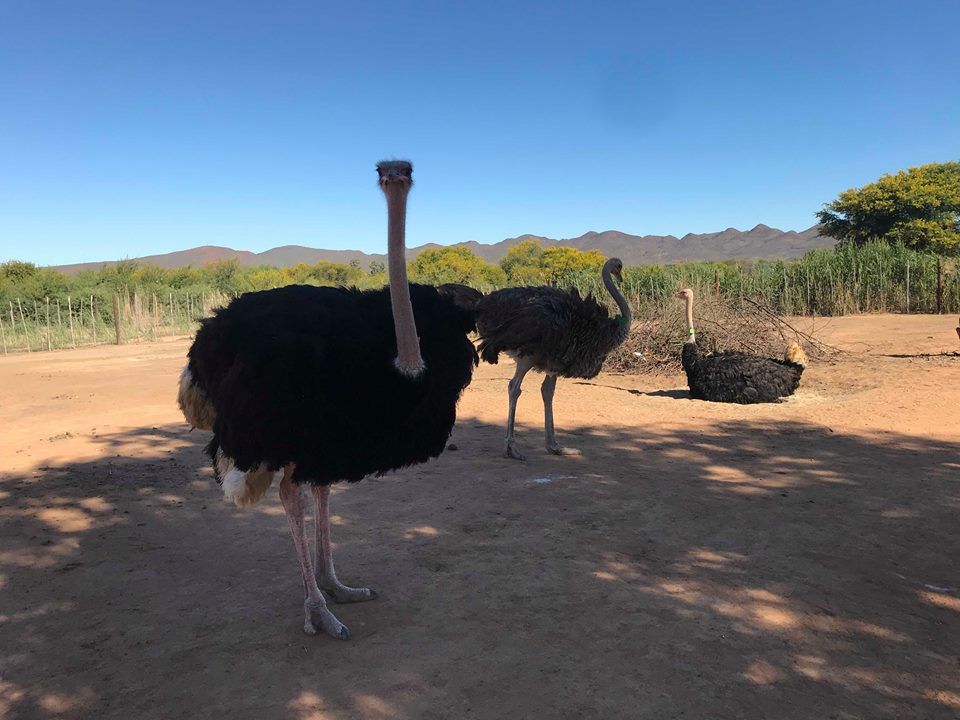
<point x="700" y="561"/>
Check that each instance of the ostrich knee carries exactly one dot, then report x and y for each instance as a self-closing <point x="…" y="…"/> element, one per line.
<point x="326" y="574"/>
<point x="546" y="391"/>
<point x="513" y="391"/>
<point x="313" y="604"/>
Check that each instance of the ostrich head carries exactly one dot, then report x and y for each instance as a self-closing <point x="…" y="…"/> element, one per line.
<point x="684" y="294"/>
<point x="396" y="179"/>
<point x="614" y="266"/>
<point x="395" y="173"/>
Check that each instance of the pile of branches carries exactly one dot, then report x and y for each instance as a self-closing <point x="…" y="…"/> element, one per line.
<point x="658" y="333"/>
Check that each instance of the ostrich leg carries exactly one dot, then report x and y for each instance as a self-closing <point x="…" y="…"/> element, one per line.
<point x="513" y="390"/>
<point x="313" y="604"/>
<point x="326" y="575"/>
<point x="546" y="390"/>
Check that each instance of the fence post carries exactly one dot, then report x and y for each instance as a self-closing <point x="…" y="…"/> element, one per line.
<point x="13" y="325"/>
<point x="23" y="322"/>
<point x="939" y="287"/>
<point x="49" y="342"/>
<point x="3" y="337"/>
<point x="908" y="287"/>
<point x="155" y="312"/>
<point x="73" y="337"/>
<point x="116" y="316"/>
<point x="93" y="320"/>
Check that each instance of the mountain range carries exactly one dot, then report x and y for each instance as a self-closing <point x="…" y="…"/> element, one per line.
<point x="759" y="243"/>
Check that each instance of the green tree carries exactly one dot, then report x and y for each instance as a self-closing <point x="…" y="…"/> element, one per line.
<point x="919" y="207"/>
<point x="455" y="265"/>
<point x="17" y="270"/>
<point x="523" y="263"/>
<point x="224" y="276"/>
<point x="560" y="262"/>
<point x="527" y="263"/>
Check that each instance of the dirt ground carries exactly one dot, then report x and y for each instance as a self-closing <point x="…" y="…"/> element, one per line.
<point x="797" y="560"/>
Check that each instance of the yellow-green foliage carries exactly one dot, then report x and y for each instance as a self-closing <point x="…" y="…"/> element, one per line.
<point x="527" y="263"/>
<point x="919" y="207"/>
<point x="455" y="265"/>
<point x="41" y="308"/>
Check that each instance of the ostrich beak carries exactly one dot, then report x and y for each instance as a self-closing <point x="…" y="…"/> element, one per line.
<point x="395" y="172"/>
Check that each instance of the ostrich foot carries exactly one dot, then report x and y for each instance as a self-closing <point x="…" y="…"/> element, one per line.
<point x="343" y="594"/>
<point x="560" y="450"/>
<point x="512" y="452"/>
<point x="326" y="620"/>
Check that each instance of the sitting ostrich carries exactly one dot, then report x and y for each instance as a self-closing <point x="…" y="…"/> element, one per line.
<point x="324" y="384"/>
<point x="554" y="331"/>
<point x="737" y="377"/>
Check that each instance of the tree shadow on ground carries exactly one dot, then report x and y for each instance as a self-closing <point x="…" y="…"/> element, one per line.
<point x="745" y="570"/>
<point x="939" y="355"/>
<point x="677" y="394"/>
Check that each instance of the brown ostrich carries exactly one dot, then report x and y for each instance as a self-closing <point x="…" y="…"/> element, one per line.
<point x="552" y="330"/>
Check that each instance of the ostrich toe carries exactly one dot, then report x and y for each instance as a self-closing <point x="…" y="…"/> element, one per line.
<point x="344" y="594"/>
<point x="325" y="621"/>
<point x="512" y="452"/>
<point x="561" y="450"/>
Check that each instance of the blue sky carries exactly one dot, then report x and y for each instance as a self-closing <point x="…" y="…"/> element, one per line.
<point x="130" y="128"/>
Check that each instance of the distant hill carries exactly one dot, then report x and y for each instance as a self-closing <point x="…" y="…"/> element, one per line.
<point x="759" y="243"/>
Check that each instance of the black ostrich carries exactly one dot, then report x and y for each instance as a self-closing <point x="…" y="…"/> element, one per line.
<point x="554" y="331"/>
<point x="329" y="384"/>
<point x="736" y="377"/>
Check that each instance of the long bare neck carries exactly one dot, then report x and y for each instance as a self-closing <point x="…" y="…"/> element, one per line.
<point x="618" y="297"/>
<point x="693" y="335"/>
<point x="409" y="361"/>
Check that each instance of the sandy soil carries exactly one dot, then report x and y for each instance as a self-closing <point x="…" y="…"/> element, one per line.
<point x="698" y="561"/>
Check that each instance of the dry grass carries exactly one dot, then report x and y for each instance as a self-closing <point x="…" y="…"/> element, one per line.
<point x="657" y="335"/>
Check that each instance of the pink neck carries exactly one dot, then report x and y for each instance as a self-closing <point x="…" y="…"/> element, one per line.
<point x="409" y="361"/>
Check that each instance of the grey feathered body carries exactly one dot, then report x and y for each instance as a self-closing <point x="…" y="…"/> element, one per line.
<point x="559" y="331"/>
<point x="737" y="377"/>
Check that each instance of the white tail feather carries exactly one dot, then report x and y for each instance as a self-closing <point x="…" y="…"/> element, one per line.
<point x="244" y="488"/>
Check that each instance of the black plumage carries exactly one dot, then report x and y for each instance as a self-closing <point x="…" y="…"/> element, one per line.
<point x="330" y="384"/>
<point x="555" y="331"/>
<point x="737" y="377"/>
<point x="560" y="331"/>
<point x="306" y="375"/>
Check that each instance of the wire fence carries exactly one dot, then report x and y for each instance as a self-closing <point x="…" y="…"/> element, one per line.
<point x="878" y="277"/>
<point x="72" y="322"/>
